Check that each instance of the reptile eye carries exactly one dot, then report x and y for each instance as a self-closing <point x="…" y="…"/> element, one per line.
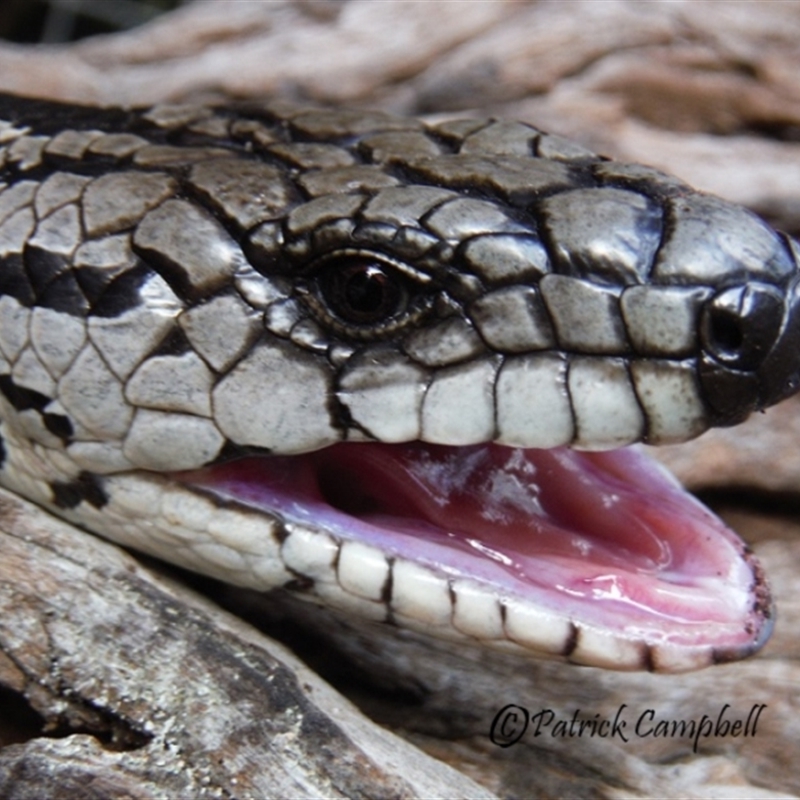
<point x="362" y="290"/>
<point x="740" y="325"/>
<point x="365" y="295"/>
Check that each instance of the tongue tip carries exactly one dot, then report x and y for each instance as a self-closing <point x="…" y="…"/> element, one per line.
<point x="738" y="638"/>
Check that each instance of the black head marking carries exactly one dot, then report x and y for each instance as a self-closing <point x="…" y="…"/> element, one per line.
<point x="59" y="425"/>
<point x="21" y="398"/>
<point x="85" y="488"/>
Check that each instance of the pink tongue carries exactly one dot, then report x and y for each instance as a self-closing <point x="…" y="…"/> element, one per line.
<point x="535" y="503"/>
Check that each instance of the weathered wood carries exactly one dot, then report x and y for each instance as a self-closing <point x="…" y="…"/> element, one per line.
<point x="165" y="694"/>
<point x="142" y="678"/>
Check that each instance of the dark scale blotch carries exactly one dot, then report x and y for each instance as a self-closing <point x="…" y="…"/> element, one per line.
<point x="51" y="118"/>
<point x="21" y="398"/>
<point x="301" y="583"/>
<point x="93" y="281"/>
<point x="173" y="273"/>
<point x="729" y="394"/>
<point x="59" y="426"/>
<point x="231" y="451"/>
<point x="64" y="294"/>
<point x="388" y="584"/>
<point x="2" y="452"/>
<point x="14" y="280"/>
<point x="572" y="640"/>
<point x="43" y="266"/>
<point x="122" y="293"/>
<point x="64" y="495"/>
<point x="174" y="343"/>
<point x="279" y="532"/>
<point x="47" y="117"/>
<point x="85" y="488"/>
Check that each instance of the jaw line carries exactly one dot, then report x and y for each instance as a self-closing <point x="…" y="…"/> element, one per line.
<point x="607" y="542"/>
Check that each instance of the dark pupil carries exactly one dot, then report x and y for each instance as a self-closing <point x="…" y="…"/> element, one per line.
<point x="364" y="292"/>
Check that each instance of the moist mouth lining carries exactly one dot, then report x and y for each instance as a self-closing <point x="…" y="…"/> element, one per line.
<point x="504" y="503"/>
<point x="609" y="537"/>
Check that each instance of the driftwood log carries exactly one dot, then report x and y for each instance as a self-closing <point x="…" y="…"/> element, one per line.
<point x="148" y="690"/>
<point x="124" y="678"/>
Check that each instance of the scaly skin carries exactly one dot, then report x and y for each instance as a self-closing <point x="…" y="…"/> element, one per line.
<point x="182" y="286"/>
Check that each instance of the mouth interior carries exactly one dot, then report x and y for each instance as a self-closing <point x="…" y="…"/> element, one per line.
<point x="539" y="504"/>
<point x="609" y="539"/>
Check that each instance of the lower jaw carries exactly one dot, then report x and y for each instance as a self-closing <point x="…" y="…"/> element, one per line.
<point x="597" y="557"/>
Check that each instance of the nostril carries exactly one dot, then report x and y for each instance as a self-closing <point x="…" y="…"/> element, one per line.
<point x="741" y="325"/>
<point x="725" y="333"/>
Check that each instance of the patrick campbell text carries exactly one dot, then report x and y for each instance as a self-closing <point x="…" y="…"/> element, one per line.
<point x="512" y="722"/>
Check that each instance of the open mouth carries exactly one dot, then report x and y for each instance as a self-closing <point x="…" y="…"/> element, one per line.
<point x="627" y="569"/>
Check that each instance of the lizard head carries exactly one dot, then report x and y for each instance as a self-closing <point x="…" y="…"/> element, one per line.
<point x="395" y="368"/>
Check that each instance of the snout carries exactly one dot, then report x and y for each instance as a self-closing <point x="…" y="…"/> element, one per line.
<point x="750" y="339"/>
<point x="779" y="374"/>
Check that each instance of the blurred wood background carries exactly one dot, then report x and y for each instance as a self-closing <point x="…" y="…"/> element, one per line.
<point x="123" y="678"/>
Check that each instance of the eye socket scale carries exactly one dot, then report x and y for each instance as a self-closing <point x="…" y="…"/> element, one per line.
<point x="363" y="294"/>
